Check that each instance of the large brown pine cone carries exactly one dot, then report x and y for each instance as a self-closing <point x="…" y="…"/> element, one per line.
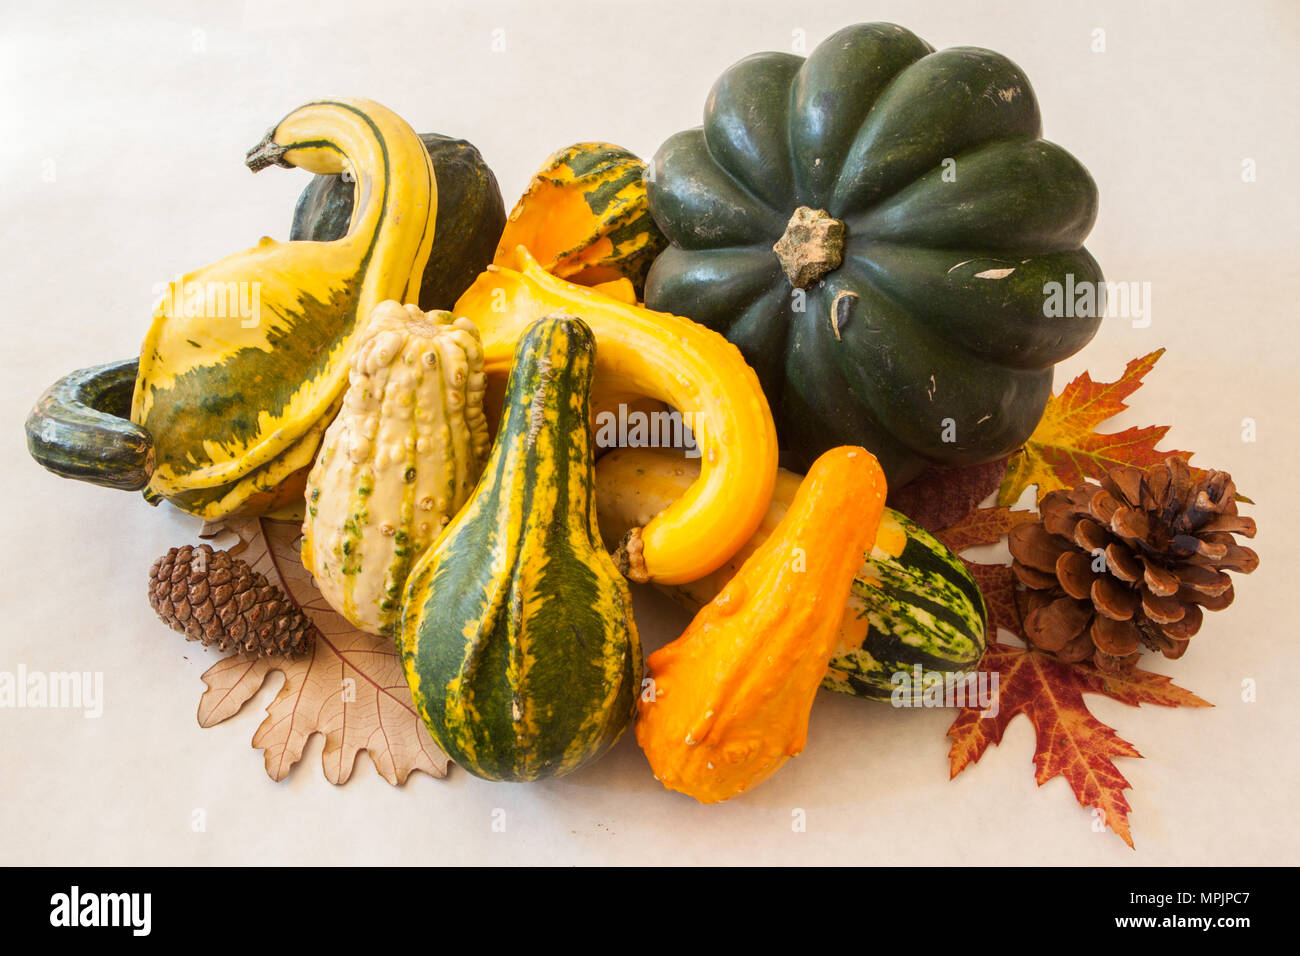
<point x="218" y="599"/>
<point x="1130" y="562"/>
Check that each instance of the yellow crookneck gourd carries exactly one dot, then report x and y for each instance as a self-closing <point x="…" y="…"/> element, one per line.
<point x="246" y="360"/>
<point x="729" y="700"/>
<point x="397" y="463"/>
<point x="665" y="357"/>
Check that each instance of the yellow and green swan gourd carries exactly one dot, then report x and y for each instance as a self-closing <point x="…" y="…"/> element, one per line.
<point x="237" y="404"/>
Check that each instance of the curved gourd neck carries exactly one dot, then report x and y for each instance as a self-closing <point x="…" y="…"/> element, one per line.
<point x="550" y="389"/>
<point x="392" y="172"/>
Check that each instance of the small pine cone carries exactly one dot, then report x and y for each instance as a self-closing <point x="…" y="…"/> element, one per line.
<point x="218" y="599"/>
<point x="1129" y="563"/>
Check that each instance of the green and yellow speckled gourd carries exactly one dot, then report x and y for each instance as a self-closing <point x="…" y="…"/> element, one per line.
<point x="517" y="633"/>
<point x="79" y="428"/>
<point x="246" y="360"/>
<point x="397" y="463"/>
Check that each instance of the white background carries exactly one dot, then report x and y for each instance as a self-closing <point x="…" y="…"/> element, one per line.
<point x="143" y="116"/>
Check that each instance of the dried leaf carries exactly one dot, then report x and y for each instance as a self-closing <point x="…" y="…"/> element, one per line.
<point x="1065" y="449"/>
<point x="350" y="687"/>
<point x="999" y="587"/>
<point x="940" y="497"/>
<point x="983" y="526"/>
<point x="1070" y="741"/>
<point x="1140" y="687"/>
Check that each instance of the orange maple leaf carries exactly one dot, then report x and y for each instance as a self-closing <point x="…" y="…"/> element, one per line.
<point x="1070" y="741"/>
<point x="1065" y="448"/>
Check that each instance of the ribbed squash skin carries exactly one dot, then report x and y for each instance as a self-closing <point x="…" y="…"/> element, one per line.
<point x="235" y="406"/>
<point x="471" y="215"/>
<point x="517" y="632"/>
<point x="585" y="218"/>
<point x="80" y="428"/>
<point x="955" y="213"/>
<point x="398" y="461"/>
<point x="912" y="601"/>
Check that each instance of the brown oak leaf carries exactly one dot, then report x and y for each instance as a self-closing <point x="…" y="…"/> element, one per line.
<point x="1070" y="741"/>
<point x="349" y="687"/>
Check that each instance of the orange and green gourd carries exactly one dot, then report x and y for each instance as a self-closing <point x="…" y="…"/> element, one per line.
<point x="913" y="602"/>
<point x="585" y="218"/>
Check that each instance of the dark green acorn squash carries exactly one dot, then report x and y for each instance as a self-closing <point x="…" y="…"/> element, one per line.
<point x="471" y="217"/>
<point x="873" y="227"/>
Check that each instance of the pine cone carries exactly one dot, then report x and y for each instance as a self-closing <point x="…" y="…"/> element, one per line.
<point x="1131" y="562"/>
<point x="218" y="599"/>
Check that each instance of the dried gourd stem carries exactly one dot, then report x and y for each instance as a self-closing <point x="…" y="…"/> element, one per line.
<point x="267" y="153"/>
<point x="630" y="557"/>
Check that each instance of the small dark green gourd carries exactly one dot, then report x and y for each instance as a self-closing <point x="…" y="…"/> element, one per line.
<point x="471" y="217"/>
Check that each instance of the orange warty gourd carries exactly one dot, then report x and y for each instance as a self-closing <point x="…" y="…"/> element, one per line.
<point x="731" y="697"/>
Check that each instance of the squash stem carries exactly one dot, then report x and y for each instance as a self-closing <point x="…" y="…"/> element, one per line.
<point x="812" y="245"/>
<point x="267" y="153"/>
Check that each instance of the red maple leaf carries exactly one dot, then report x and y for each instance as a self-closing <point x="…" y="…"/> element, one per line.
<point x="940" y="497"/>
<point x="998" y="585"/>
<point x="983" y="526"/>
<point x="1070" y="741"/>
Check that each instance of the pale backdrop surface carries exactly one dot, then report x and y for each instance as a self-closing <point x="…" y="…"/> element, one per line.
<point x="122" y="133"/>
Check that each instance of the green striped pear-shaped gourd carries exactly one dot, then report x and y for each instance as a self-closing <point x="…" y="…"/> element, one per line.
<point x="517" y="633"/>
